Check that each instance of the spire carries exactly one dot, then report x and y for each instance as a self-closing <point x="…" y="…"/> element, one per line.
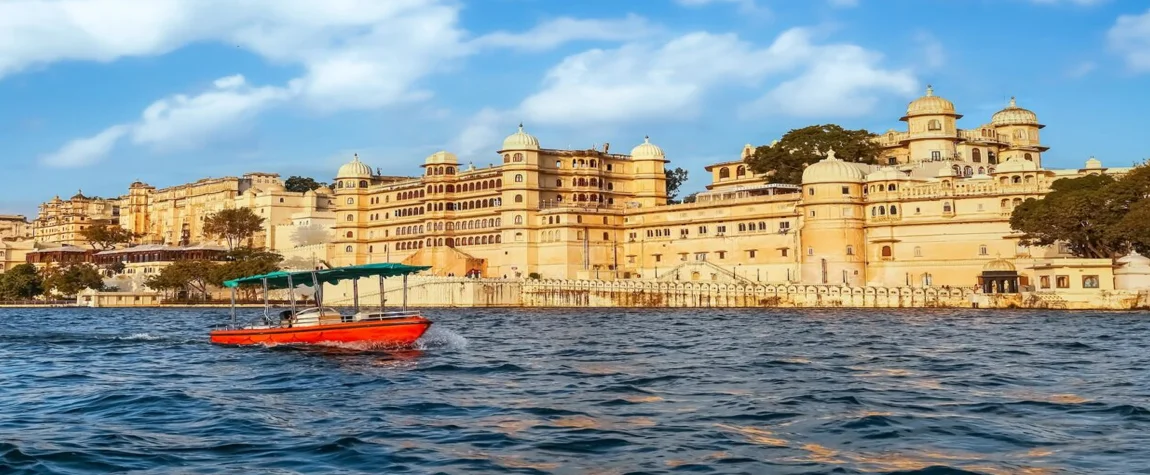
<point x="646" y="139"/>
<point x="1012" y="103"/>
<point x="929" y="90"/>
<point x="831" y="154"/>
<point x="356" y="159"/>
<point x="521" y="127"/>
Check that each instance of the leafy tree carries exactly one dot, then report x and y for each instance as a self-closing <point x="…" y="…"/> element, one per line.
<point x="72" y="279"/>
<point x="310" y="234"/>
<point x="21" y="282"/>
<point x="243" y="262"/>
<point x="102" y="236"/>
<point x="233" y="225"/>
<point x="691" y="198"/>
<point x="193" y="276"/>
<point x="783" y="162"/>
<point x="300" y="184"/>
<point x="675" y="180"/>
<point x="1095" y="216"/>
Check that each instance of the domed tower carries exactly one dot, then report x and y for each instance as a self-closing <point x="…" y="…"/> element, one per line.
<point x="932" y="124"/>
<point x="650" y="176"/>
<point x="520" y="199"/>
<point x="1020" y="128"/>
<point x="351" y="188"/>
<point x="833" y="238"/>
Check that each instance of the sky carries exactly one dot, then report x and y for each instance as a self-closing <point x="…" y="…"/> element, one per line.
<point x="95" y="94"/>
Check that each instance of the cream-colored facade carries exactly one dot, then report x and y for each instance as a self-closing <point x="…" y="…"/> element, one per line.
<point x="175" y="215"/>
<point x="936" y="213"/>
<point x="61" y="221"/>
<point x="14" y="227"/>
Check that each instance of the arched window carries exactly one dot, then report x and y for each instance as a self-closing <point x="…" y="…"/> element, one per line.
<point x="886" y="251"/>
<point x="518" y="157"/>
<point x="518" y="198"/>
<point x="934" y="124"/>
<point x="593" y="164"/>
<point x="850" y="250"/>
<point x="810" y="251"/>
<point x="741" y="171"/>
<point x="724" y="173"/>
<point x="981" y="170"/>
<point x="518" y="178"/>
<point x="976" y="155"/>
<point x="518" y="220"/>
<point x="1021" y="134"/>
<point x="891" y="187"/>
<point x="893" y="210"/>
<point x="450" y="170"/>
<point x="982" y="250"/>
<point x="946" y="208"/>
<point x="917" y="251"/>
<point x="1028" y="157"/>
<point x="351" y="201"/>
<point x="347" y="249"/>
<point x="882" y="210"/>
<point x="558" y="163"/>
<point x="350" y="234"/>
<point x="351" y="217"/>
<point x="559" y="182"/>
<point x="991" y="158"/>
<point x="874" y="211"/>
<point x="968" y="172"/>
<point x="507" y="158"/>
<point x="1016" y="179"/>
<point x="363" y="183"/>
<point x="1005" y="203"/>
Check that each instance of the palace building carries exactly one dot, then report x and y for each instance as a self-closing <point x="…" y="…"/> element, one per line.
<point x="934" y="213"/>
<point x="60" y="221"/>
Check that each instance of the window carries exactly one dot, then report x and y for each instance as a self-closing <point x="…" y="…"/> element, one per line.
<point x="783" y="252"/>
<point x="702" y="230"/>
<point x="811" y="191"/>
<point x="751" y="253"/>
<point x="518" y="198"/>
<point x="846" y="190"/>
<point x="982" y="250"/>
<point x="946" y="208"/>
<point x="518" y="157"/>
<point x="893" y="210"/>
<point x="658" y="257"/>
<point x="917" y="251"/>
<point x="887" y="252"/>
<point x="936" y="155"/>
<point x="519" y="220"/>
<point x="934" y="124"/>
<point x="700" y="256"/>
<point x="351" y="217"/>
<point x="784" y="225"/>
<point x="724" y="173"/>
<point x="1090" y="282"/>
<point x="741" y="171"/>
<point x="1044" y="282"/>
<point x="812" y="213"/>
<point x="850" y="250"/>
<point x="1062" y="281"/>
<point x="518" y="178"/>
<point x="351" y="201"/>
<point x="891" y="161"/>
<point x="810" y="251"/>
<point x="976" y="155"/>
<point x="347" y="249"/>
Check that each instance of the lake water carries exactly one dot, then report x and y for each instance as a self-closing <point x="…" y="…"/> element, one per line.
<point x="579" y="391"/>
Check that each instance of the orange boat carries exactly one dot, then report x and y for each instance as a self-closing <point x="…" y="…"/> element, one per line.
<point x="325" y="324"/>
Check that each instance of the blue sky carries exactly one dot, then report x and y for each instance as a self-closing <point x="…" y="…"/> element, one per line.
<point x="95" y="94"/>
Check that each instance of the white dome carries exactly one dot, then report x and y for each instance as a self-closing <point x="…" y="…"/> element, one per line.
<point x="1093" y="164"/>
<point x="930" y="104"/>
<point x="647" y="150"/>
<point x="1134" y="258"/>
<point x="442" y="158"/>
<point x="354" y="169"/>
<point x="832" y="170"/>
<point x="1015" y="165"/>
<point x="520" y="141"/>
<point x="999" y="265"/>
<point x="1014" y="115"/>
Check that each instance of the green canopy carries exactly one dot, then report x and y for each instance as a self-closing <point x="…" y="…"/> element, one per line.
<point x="279" y="279"/>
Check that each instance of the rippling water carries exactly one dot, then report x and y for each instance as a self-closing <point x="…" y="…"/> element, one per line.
<point x="585" y="391"/>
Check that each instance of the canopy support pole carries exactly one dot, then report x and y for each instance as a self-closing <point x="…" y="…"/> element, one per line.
<point x="233" y="306"/>
<point x="355" y="294"/>
<point x="291" y="294"/>
<point x="318" y="291"/>
<point x="267" y="314"/>
<point x="404" y="293"/>
<point x="382" y="296"/>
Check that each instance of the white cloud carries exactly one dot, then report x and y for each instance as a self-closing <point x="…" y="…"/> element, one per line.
<point x="563" y="30"/>
<point x="354" y="54"/>
<point x="1081" y="69"/>
<point x="640" y="81"/>
<point x="86" y="151"/>
<point x="1130" y="37"/>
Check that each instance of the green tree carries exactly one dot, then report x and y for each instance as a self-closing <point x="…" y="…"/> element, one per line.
<point x="1095" y="216"/>
<point x="71" y="279"/>
<point x="675" y="180"/>
<point x="193" y="276"/>
<point x="233" y="225"/>
<point x="243" y="262"/>
<point x="21" y="282"/>
<point x="691" y="198"/>
<point x="102" y="236"/>
<point x="301" y="184"/>
<point x="784" y="161"/>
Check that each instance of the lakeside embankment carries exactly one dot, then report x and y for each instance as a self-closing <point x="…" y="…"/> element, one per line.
<point x="429" y="291"/>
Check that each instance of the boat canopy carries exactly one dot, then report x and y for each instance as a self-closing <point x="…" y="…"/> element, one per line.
<point x="279" y="279"/>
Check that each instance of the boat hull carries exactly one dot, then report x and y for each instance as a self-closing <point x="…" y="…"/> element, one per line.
<point x="389" y="332"/>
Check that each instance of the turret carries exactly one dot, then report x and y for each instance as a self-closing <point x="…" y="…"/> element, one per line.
<point x="1020" y="128"/>
<point x="650" y="176"/>
<point x="932" y="124"/>
<point x="833" y="243"/>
